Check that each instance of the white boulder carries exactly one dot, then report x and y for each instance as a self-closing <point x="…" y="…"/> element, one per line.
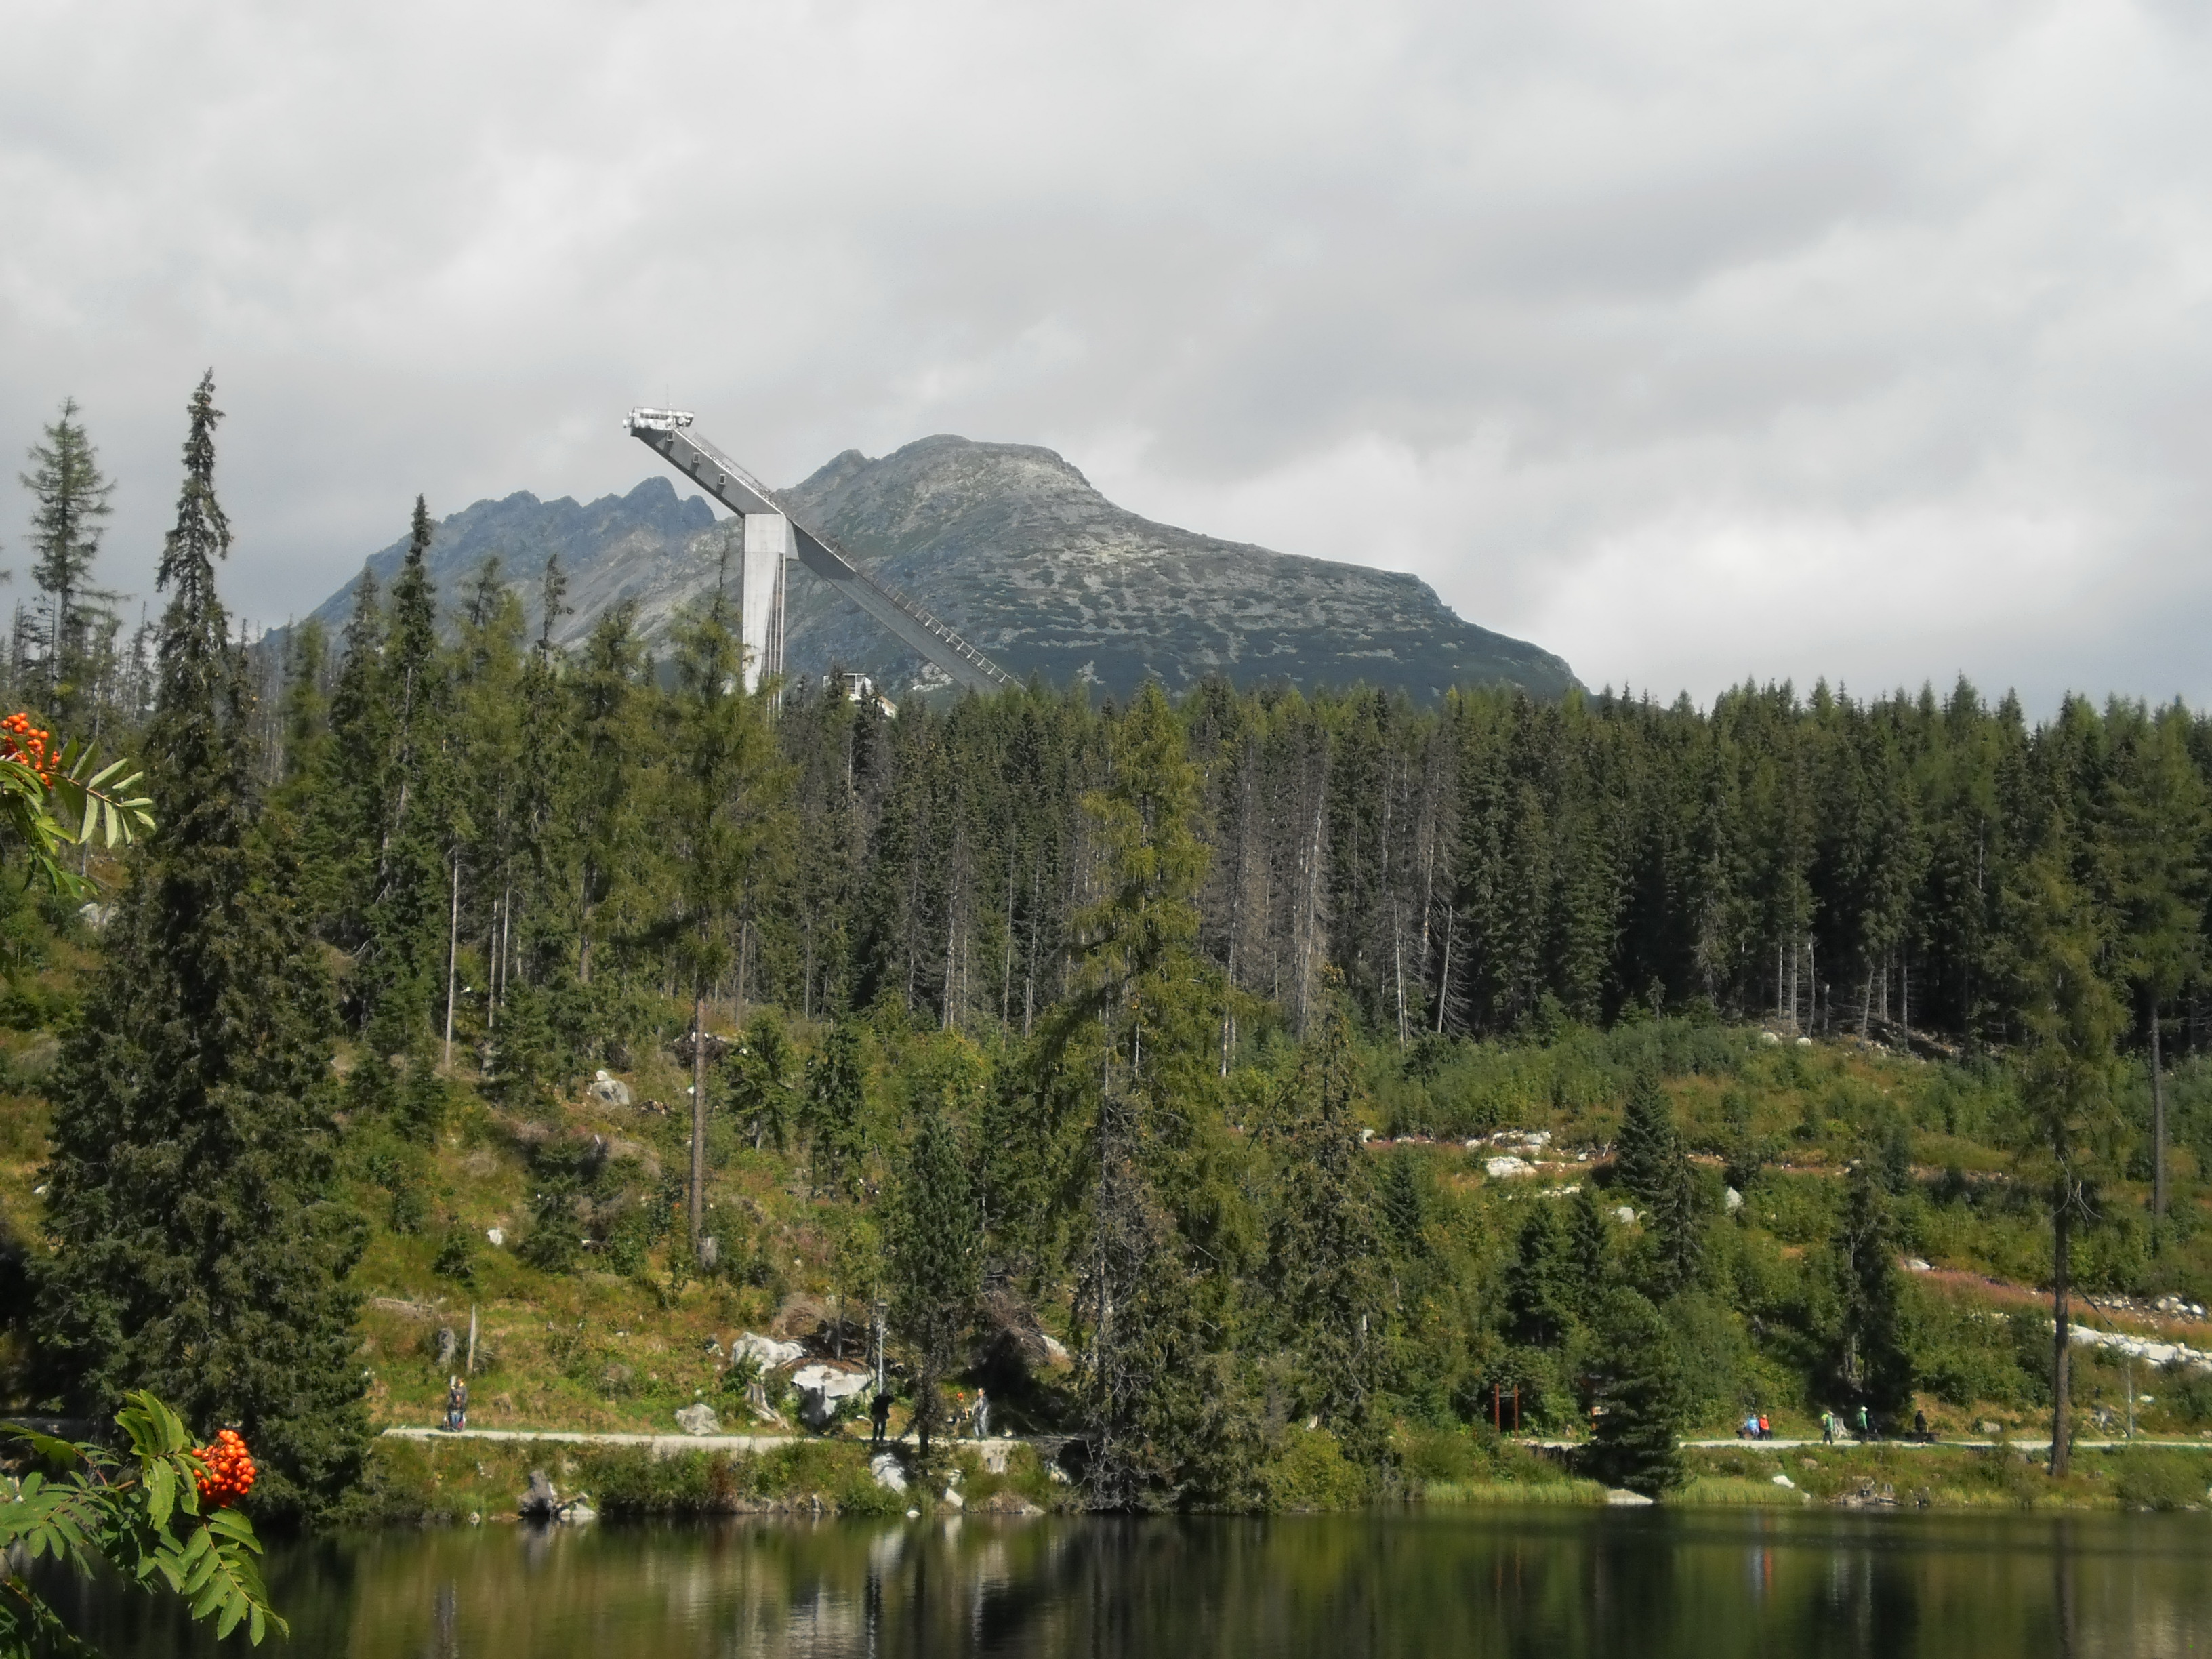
<point x="764" y="1351"/>
<point x="699" y="1418"/>
<point x="609" y="1089"/>
<point x="821" y="1386"/>
<point x="496" y="1235"/>
<point x="887" y="1471"/>
<point x="1505" y="1169"/>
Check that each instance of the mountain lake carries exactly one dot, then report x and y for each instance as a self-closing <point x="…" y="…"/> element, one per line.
<point x="1559" y="1583"/>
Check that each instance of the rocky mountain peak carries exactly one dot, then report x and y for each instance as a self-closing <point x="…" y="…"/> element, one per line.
<point x="1015" y="548"/>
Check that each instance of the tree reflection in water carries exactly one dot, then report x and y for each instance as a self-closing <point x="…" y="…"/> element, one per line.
<point x="1551" y="1582"/>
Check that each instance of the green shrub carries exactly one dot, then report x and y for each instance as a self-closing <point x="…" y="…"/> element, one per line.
<point x="2188" y="1395"/>
<point x="410" y="1210"/>
<point x="1430" y="1455"/>
<point x="456" y="1257"/>
<point x="2160" y="1480"/>
<point x="1310" y="1472"/>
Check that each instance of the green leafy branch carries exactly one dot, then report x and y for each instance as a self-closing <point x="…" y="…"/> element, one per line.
<point x="136" y="1512"/>
<point x="95" y="802"/>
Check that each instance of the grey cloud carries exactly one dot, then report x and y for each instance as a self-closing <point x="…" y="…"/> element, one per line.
<point x="1689" y="341"/>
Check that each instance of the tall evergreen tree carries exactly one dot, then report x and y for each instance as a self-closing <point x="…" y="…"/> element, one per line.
<point x="2070" y="1115"/>
<point x="306" y="714"/>
<point x="1165" y="1231"/>
<point x="407" y="915"/>
<point x="1645" y="1405"/>
<point x="727" y="822"/>
<point x="1542" y="1292"/>
<point x="71" y="498"/>
<point x="607" y="821"/>
<point x="835" y="1115"/>
<point x="1654" y="1165"/>
<point x="2163" y="818"/>
<point x="759" y="1067"/>
<point x="935" y="1243"/>
<point x="1874" y="1358"/>
<point x="1323" y="1247"/>
<point x="1589" y="1239"/>
<point x="195" y="1251"/>
<point x="1644" y="1155"/>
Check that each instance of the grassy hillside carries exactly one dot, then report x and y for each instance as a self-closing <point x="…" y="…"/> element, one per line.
<point x="588" y="1319"/>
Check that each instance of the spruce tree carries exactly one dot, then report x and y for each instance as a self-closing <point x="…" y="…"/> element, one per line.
<point x="760" y="1081"/>
<point x="606" y="817"/>
<point x="727" y="817"/>
<point x="72" y="500"/>
<point x="1541" y="1293"/>
<point x="1645" y="1403"/>
<point x="342" y="818"/>
<point x="409" y="908"/>
<point x="934" y="1236"/>
<point x="1589" y="1239"/>
<point x="2070" y="1120"/>
<point x="1646" y="1149"/>
<point x="305" y="717"/>
<point x="1873" y="1358"/>
<point x="1403" y="1208"/>
<point x="195" y="1251"/>
<point x="835" y="1111"/>
<point x="1323" y="1249"/>
<point x="2162" y="817"/>
<point x="1654" y="1165"/>
<point x="1131" y="1068"/>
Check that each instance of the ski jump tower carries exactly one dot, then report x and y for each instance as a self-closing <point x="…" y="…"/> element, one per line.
<point x="773" y="540"/>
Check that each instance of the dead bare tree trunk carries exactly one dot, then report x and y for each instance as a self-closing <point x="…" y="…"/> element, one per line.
<point x="2157" y="1115"/>
<point x="2062" y="1240"/>
<point x="452" y="957"/>
<point x="696" y="1202"/>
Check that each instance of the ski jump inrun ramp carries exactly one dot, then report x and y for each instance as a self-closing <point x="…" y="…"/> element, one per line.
<point x="773" y="539"/>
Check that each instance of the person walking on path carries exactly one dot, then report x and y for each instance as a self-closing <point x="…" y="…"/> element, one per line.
<point x="1866" y="1428"/>
<point x="1920" y="1426"/>
<point x="982" y="1415"/>
<point x="457" y="1405"/>
<point x="1827" y="1428"/>
<point x="879" y="1416"/>
<point x="1765" y="1428"/>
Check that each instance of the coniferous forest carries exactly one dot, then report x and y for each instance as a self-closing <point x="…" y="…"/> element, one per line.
<point x="1146" y="1032"/>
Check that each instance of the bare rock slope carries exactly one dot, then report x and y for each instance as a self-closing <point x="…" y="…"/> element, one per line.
<point x="1012" y="546"/>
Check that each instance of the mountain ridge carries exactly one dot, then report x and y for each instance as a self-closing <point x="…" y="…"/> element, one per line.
<point x="1018" y="550"/>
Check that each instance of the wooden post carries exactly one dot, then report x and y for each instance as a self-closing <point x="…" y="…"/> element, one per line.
<point x="472" y="1340"/>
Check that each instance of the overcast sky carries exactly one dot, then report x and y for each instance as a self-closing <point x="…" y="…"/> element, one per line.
<point x="1693" y="341"/>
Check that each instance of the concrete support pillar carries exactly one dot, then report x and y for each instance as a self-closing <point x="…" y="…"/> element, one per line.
<point x="768" y="544"/>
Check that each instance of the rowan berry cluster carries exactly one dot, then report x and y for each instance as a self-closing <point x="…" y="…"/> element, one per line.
<point x="26" y="745"/>
<point x="226" y="1470"/>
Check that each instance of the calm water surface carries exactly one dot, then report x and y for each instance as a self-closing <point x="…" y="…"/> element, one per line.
<point x="1560" y="1584"/>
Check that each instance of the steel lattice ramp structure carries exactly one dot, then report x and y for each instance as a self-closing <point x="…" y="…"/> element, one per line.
<point x="772" y="537"/>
